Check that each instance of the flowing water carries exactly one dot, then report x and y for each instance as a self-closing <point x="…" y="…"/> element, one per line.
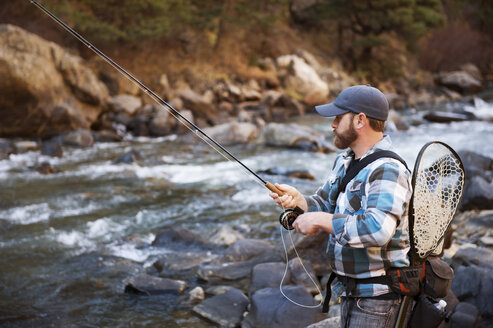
<point x="68" y="241"/>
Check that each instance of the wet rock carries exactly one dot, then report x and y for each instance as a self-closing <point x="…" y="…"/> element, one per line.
<point x="196" y="295"/>
<point x="479" y="256"/>
<point x="78" y="138"/>
<point x="246" y="249"/>
<point x="216" y="290"/>
<point x="311" y="249"/>
<point x="7" y="147"/>
<point x="125" y="104"/>
<point x="52" y="147"/>
<point x="474" y="284"/>
<point x="476" y="164"/>
<point x="46" y="168"/>
<point x="224" y="309"/>
<point x="446" y="117"/>
<point x="478" y="194"/>
<point x="269" y="308"/>
<point x="234" y="270"/>
<point x="302" y="274"/>
<point x="293" y="136"/>
<point x="161" y="124"/>
<point x="299" y="174"/>
<point x="139" y="126"/>
<point x="397" y="120"/>
<point x="268" y="275"/>
<point x="180" y="261"/>
<point x="180" y="239"/>
<point x="128" y="158"/>
<point x="226" y="235"/>
<point x="150" y="285"/>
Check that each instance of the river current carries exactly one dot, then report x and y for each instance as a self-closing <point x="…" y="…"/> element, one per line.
<point x="69" y="241"/>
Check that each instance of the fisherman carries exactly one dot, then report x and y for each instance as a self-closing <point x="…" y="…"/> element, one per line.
<point x="368" y="221"/>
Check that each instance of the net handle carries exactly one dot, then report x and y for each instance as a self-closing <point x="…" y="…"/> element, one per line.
<point x="414" y="256"/>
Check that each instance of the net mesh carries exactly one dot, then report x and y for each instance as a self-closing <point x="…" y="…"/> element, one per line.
<point x="438" y="188"/>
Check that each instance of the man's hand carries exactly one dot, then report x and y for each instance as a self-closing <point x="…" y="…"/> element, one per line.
<point x="312" y="222"/>
<point x="291" y="198"/>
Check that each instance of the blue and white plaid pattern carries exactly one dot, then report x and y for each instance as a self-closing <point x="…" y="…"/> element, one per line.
<point x="370" y="219"/>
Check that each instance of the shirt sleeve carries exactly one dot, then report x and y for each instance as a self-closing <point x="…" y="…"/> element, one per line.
<point x="387" y="192"/>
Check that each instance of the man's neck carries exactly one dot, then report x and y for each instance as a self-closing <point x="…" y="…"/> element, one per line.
<point x="364" y="143"/>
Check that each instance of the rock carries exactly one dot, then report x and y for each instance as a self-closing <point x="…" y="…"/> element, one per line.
<point x="268" y="275"/>
<point x="303" y="80"/>
<point x="181" y="261"/>
<point x="397" y="120"/>
<point x="180" y="239"/>
<point x="78" y="138"/>
<point x="7" y="147"/>
<point x="196" y="295"/>
<point x="216" y="290"/>
<point x="128" y="158"/>
<point x="232" y="133"/>
<point x="302" y="274"/>
<point x="146" y="284"/>
<point x="44" y="89"/>
<point x="472" y="70"/>
<point x="270" y="309"/>
<point x="226" y="235"/>
<point x="161" y="124"/>
<point x="479" y="256"/>
<point x="459" y="81"/>
<point x="475" y="164"/>
<point x="446" y="117"/>
<point x="311" y="249"/>
<point x="106" y="136"/>
<point x="293" y="136"/>
<point x="299" y="174"/>
<point x="333" y="322"/>
<point x="224" y="309"/>
<point x="246" y="249"/>
<point x="52" y="147"/>
<point x="234" y="270"/>
<point x="23" y="146"/>
<point x="200" y="107"/>
<point x="474" y="284"/>
<point x="125" y="104"/>
<point x="46" y="168"/>
<point x="300" y="10"/>
<point x="478" y="194"/>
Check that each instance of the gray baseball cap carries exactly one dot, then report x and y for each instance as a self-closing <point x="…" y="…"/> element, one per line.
<point x="358" y="99"/>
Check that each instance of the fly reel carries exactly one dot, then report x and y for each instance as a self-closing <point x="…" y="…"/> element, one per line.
<point x="288" y="217"/>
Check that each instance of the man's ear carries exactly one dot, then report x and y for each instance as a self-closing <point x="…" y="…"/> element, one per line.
<point x="360" y="121"/>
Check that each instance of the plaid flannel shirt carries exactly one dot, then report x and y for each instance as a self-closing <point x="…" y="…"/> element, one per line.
<point x="369" y="219"/>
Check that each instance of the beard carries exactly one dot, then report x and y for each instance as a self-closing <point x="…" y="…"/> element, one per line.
<point x="345" y="139"/>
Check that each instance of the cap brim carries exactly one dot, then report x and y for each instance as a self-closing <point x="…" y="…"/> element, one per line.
<point x="329" y="110"/>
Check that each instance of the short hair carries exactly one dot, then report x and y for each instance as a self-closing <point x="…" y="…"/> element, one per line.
<point x="376" y="125"/>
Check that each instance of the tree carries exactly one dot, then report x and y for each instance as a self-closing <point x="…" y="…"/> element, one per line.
<point x="365" y="26"/>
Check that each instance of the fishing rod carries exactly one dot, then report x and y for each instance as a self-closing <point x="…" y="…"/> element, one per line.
<point x="182" y="119"/>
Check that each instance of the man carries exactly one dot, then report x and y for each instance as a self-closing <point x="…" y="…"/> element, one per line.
<point x="367" y="221"/>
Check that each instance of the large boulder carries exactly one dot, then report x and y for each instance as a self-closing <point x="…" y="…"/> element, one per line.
<point x="44" y="89"/>
<point x="224" y="309"/>
<point x="460" y="81"/>
<point x="302" y="80"/>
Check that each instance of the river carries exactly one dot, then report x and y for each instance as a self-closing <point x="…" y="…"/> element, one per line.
<point x="68" y="241"/>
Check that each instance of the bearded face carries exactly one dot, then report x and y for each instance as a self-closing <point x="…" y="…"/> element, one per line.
<point x="344" y="137"/>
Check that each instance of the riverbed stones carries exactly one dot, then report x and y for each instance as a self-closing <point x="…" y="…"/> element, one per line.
<point x="224" y="309"/>
<point x="232" y="133"/>
<point x="478" y="194"/>
<point x="226" y="235"/>
<point x="268" y="275"/>
<point x="270" y="309"/>
<point x="180" y="239"/>
<point x="182" y="261"/>
<point x="127" y="104"/>
<point x="78" y="138"/>
<point x="150" y="285"/>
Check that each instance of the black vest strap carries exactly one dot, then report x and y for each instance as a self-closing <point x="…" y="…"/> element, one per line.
<point x="364" y="162"/>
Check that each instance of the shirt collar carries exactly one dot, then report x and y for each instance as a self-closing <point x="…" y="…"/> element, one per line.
<point x="384" y="144"/>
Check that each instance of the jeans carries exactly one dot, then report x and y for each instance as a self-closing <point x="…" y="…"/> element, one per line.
<point x="370" y="312"/>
